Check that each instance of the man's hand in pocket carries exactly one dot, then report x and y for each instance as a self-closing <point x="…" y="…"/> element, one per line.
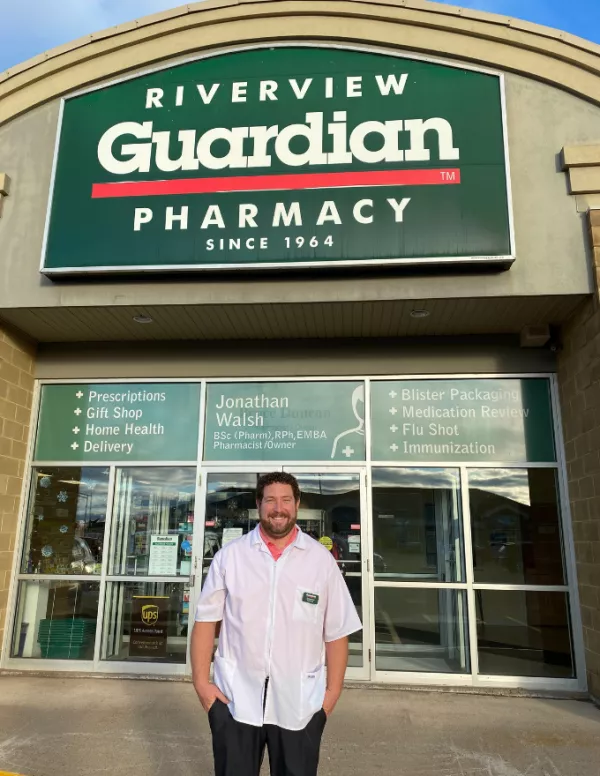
<point x="208" y="693"/>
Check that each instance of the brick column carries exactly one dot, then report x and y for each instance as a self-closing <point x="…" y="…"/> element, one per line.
<point x="579" y="382"/>
<point x="17" y="359"/>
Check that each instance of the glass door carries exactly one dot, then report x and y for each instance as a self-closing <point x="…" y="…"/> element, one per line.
<point x="420" y="601"/>
<point x="229" y="499"/>
<point x="228" y="511"/>
<point x="332" y="510"/>
<point x="148" y="581"/>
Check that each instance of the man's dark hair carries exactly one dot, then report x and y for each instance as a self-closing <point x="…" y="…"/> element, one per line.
<point x="280" y="477"/>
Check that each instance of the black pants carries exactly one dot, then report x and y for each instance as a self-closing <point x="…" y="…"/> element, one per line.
<point x="239" y="748"/>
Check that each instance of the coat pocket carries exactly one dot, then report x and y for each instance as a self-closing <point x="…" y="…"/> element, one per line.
<point x="224" y="675"/>
<point x="313" y="691"/>
<point x="307" y="606"/>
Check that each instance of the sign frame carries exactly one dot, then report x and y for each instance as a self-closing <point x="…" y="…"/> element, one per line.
<point x="494" y="262"/>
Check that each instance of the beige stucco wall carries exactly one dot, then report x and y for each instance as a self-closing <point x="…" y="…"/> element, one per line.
<point x="551" y="251"/>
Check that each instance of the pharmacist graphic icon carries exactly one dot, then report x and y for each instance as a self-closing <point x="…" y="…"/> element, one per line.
<point x="353" y="437"/>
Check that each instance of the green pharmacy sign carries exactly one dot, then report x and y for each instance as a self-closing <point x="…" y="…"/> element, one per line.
<point x="285" y="156"/>
<point x="119" y="422"/>
<point x="487" y="420"/>
<point x="299" y="421"/>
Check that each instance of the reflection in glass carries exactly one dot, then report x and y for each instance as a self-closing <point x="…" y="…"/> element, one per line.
<point x="329" y="509"/>
<point x="67" y="514"/>
<point x="152" y="502"/>
<point x="524" y="633"/>
<point x="417" y="525"/>
<point x="420" y="629"/>
<point x="146" y="622"/>
<point x="56" y="620"/>
<point x="230" y="509"/>
<point x="516" y="527"/>
<point x="230" y="512"/>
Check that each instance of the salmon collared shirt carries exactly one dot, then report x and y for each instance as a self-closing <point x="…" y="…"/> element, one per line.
<point x="276" y="616"/>
<point x="276" y="551"/>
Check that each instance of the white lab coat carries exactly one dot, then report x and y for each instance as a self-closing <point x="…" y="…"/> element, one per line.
<point x="276" y="617"/>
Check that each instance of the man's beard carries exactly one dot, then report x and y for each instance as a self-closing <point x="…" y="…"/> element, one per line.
<point x="277" y="528"/>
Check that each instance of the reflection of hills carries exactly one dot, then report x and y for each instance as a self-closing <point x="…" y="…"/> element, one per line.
<point x="516" y="527"/>
<point x="222" y="496"/>
<point x="508" y="483"/>
<point x="416" y="478"/>
<point x="309" y="483"/>
<point x="98" y="519"/>
<point x="511" y="484"/>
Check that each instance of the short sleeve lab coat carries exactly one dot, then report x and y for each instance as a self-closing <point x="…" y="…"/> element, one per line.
<point x="276" y="617"/>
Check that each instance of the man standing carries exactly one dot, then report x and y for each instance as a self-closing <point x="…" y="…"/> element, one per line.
<point x="284" y="607"/>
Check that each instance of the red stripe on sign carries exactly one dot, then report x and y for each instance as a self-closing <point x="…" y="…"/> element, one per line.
<point x="307" y="180"/>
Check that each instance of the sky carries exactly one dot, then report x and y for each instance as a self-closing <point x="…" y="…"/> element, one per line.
<point x="29" y="27"/>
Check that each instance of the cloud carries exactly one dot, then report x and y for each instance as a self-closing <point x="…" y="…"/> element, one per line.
<point x="29" y="27"/>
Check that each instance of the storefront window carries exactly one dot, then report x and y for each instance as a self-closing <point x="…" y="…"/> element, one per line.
<point x="524" y="633"/>
<point x="516" y="527"/>
<point x="153" y="521"/>
<point x="421" y="630"/>
<point x="56" y="619"/>
<point x="146" y="621"/>
<point x="428" y="532"/>
<point x="230" y="510"/>
<point x="417" y="525"/>
<point x="66" y="518"/>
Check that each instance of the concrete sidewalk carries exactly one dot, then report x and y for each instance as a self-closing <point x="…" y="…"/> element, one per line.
<point x="83" y="727"/>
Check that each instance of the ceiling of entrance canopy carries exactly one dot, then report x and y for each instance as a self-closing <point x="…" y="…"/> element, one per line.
<point x="291" y="321"/>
